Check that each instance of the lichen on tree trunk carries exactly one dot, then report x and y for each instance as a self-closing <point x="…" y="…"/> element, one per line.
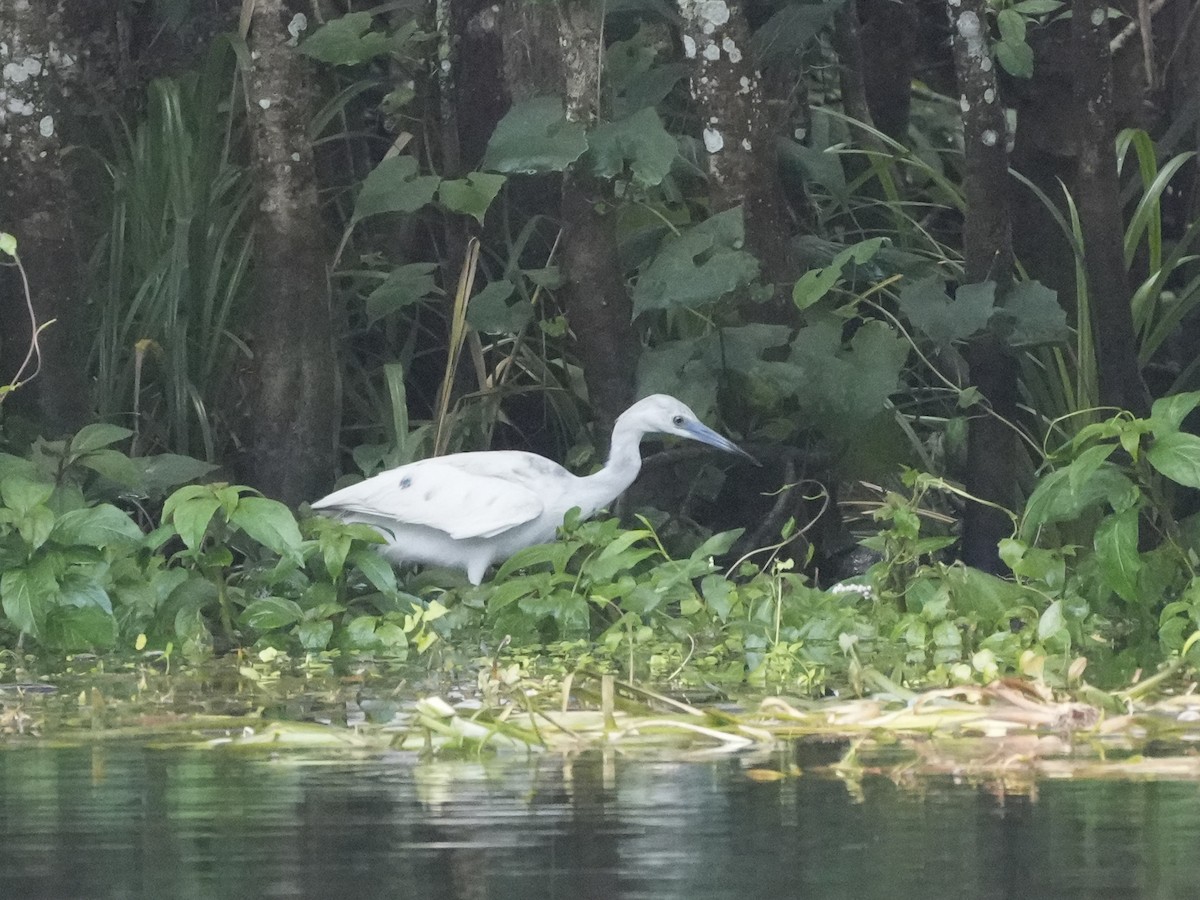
<point x="992" y="448"/>
<point x="43" y="63"/>
<point x="293" y="417"/>
<point x="743" y="164"/>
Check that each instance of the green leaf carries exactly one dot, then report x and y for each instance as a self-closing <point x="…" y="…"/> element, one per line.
<point x="166" y="471"/>
<point x="25" y="594"/>
<point x="314" y="635"/>
<point x="717" y="545"/>
<point x="931" y="311"/>
<point x="8" y="244"/>
<point x="76" y="628"/>
<point x="93" y="437"/>
<point x="83" y="591"/>
<point x="638" y="144"/>
<point x="1015" y="58"/>
<point x="472" y="195"/>
<point x="405" y="286"/>
<point x="1037" y="7"/>
<point x="719" y="595"/>
<point x="1011" y="25"/>
<point x="270" y="613"/>
<point x="375" y="569"/>
<point x="394" y="186"/>
<point x="96" y="526"/>
<point x="1177" y="455"/>
<point x="191" y="519"/>
<point x="816" y="283"/>
<point x="22" y="494"/>
<point x="269" y="522"/>
<point x="113" y="465"/>
<point x="346" y="41"/>
<point x="490" y="312"/>
<point x="792" y="29"/>
<point x="360" y="632"/>
<point x="535" y="136"/>
<point x="1051" y="621"/>
<point x="1116" y="545"/>
<point x="1167" y="413"/>
<point x="697" y="267"/>
<point x="1055" y="499"/>
<point x="35" y="526"/>
<point x="1034" y="315"/>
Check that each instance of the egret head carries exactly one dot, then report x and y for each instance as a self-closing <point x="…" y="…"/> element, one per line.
<point x="663" y="414"/>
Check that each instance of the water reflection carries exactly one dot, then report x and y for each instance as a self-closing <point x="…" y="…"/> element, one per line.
<point x="126" y="821"/>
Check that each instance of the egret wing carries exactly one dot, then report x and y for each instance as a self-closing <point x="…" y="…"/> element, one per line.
<point x="437" y="493"/>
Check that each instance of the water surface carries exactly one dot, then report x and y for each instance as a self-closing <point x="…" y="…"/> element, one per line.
<point x="116" y="820"/>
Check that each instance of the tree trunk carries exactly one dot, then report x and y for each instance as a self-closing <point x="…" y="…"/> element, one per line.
<point x="743" y="163"/>
<point x="46" y="58"/>
<point x="987" y="248"/>
<point x="557" y="49"/>
<point x="888" y="36"/>
<point x="294" y="419"/>
<point x="1097" y="194"/>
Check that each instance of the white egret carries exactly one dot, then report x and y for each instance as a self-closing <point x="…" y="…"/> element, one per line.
<point x="469" y="510"/>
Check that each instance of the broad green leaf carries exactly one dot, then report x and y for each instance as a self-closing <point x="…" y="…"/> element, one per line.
<point x="360" y="632"/>
<point x="314" y="635"/>
<point x="394" y="186"/>
<point x="270" y="613"/>
<point x="347" y="41"/>
<point x="166" y="471"/>
<point x="1011" y="25"/>
<point x="35" y="526"/>
<point x="113" y="465"/>
<point x="269" y="522"/>
<point x="1015" y="58"/>
<point x="1051" y="621"/>
<point x="555" y="554"/>
<point x="816" y="283"/>
<point x="191" y="519"/>
<point x="1034" y="316"/>
<point x="1055" y="499"/>
<point x="792" y="29"/>
<point x="1116" y="545"/>
<point x="25" y="595"/>
<point x="1177" y="455"/>
<point x="21" y="494"/>
<point x="405" y="286"/>
<point x="97" y="526"/>
<point x="534" y="136"/>
<point x="93" y="437"/>
<point x="82" y="591"/>
<point x="76" y="628"/>
<point x="472" y="195"/>
<point x="8" y="244"/>
<point x="1037" y="7"/>
<point x="719" y="595"/>
<point x="638" y="144"/>
<point x="490" y="312"/>
<point x="1086" y="463"/>
<point x="1167" y="413"/>
<point x="697" y="267"/>
<point x="931" y="311"/>
<point x="375" y="569"/>
<point x="717" y="545"/>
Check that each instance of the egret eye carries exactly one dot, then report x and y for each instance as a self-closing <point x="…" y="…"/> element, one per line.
<point x="677" y="421"/>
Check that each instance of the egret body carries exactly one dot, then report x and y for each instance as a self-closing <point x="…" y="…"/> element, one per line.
<point x="469" y="510"/>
